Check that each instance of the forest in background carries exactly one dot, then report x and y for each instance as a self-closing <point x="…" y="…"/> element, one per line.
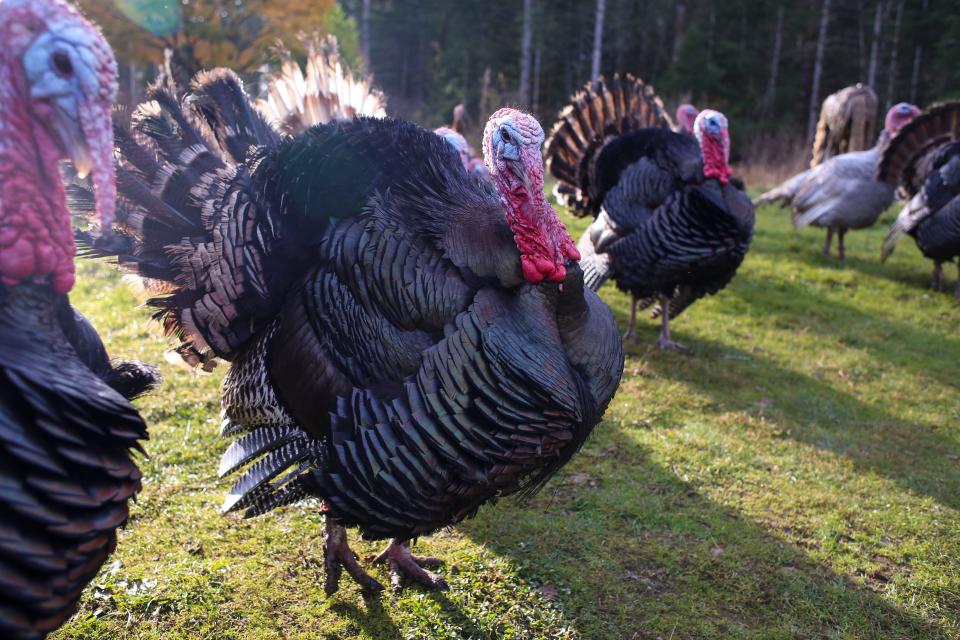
<point x="756" y="60"/>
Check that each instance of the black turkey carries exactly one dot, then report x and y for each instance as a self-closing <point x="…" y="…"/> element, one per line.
<point x="406" y="342"/>
<point x="66" y="430"/>
<point x="670" y="226"/>
<point x="924" y="160"/>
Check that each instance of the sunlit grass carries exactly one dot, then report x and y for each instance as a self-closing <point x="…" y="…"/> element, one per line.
<point x="797" y="475"/>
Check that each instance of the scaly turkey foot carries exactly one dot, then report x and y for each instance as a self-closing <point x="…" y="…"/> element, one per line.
<point x="666" y="344"/>
<point x="630" y="336"/>
<point x="337" y="556"/>
<point x="404" y="565"/>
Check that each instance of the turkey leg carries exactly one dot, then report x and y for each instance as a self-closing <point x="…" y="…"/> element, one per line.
<point x="631" y="333"/>
<point x="937" y="284"/>
<point x="664" y="340"/>
<point x="404" y="565"/>
<point x="841" y="249"/>
<point x="337" y="556"/>
<point x="826" y="244"/>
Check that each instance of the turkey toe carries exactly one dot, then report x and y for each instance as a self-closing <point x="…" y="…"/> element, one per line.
<point x="404" y="566"/>
<point x="337" y="556"/>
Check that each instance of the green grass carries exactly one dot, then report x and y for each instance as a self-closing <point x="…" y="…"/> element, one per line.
<point x="797" y="475"/>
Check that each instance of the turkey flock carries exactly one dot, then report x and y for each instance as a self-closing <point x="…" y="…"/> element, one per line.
<point x="410" y="331"/>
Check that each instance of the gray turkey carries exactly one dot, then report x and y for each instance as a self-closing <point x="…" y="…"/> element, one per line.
<point x="405" y="342"/>
<point x="924" y="160"/>
<point x="670" y="227"/>
<point x="66" y="430"/>
<point x="843" y="192"/>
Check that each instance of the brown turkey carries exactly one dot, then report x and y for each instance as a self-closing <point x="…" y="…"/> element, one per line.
<point x="406" y="342"/>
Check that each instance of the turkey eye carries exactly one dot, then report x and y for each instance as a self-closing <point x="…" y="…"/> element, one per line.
<point x="61" y="62"/>
<point x="505" y="135"/>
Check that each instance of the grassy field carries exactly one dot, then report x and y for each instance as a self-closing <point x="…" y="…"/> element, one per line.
<point x="796" y="475"/>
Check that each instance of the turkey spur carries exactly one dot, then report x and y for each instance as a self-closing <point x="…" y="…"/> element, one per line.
<point x="405" y="342"/>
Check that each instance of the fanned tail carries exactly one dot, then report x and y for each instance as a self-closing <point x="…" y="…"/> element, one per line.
<point x="601" y="110"/>
<point x="903" y="162"/>
<point x="188" y="222"/>
<point x="296" y="99"/>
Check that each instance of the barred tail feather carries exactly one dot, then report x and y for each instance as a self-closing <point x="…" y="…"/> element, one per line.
<point x="296" y="99"/>
<point x="901" y="162"/>
<point x="601" y="110"/>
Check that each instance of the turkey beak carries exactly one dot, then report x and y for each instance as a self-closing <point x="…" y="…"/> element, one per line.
<point x="93" y="154"/>
<point x="520" y="171"/>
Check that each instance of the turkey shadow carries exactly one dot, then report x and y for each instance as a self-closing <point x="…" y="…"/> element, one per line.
<point x="815" y="413"/>
<point x="901" y="344"/>
<point x="634" y="551"/>
<point x="374" y="620"/>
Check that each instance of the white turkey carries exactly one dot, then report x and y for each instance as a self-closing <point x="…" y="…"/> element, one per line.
<point x="843" y="192"/>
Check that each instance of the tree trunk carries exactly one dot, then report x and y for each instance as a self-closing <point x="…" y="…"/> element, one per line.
<point x="537" y="59"/>
<point x="818" y="70"/>
<point x="598" y="40"/>
<point x="875" y="47"/>
<point x="771" y="94"/>
<point x="918" y="56"/>
<point x="861" y="42"/>
<point x="523" y="89"/>
<point x="365" y="33"/>
<point x="892" y="79"/>
<point x="678" y="31"/>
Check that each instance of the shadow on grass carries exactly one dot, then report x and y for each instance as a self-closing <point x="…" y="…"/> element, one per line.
<point x="801" y="246"/>
<point x="901" y="344"/>
<point x="918" y="457"/>
<point x="636" y="552"/>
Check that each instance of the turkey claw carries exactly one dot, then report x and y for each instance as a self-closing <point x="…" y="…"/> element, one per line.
<point x="337" y="556"/>
<point x="405" y="566"/>
<point x="666" y="344"/>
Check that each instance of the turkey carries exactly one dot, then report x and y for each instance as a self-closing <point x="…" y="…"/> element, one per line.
<point x="842" y="193"/>
<point x="66" y="432"/>
<point x="686" y="116"/>
<point x="670" y="227"/>
<point x="405" y="342"/>
<point x="924" y="160"/>
<point x="295" y="99"/>
<point x="455" y="134"/>
<point x="848" y="122"/>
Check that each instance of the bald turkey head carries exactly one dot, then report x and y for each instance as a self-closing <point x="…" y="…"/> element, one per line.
<point x="58" y="79"/>
<point x="511" y="149"/>
<point x="899" y="115"/>
<point x="458" y="142"/>
<point x="713" y="134"/>
<point x="686" y="117"/>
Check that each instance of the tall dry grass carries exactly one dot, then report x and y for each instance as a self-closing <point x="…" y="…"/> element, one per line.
<point x="771" y="158"/>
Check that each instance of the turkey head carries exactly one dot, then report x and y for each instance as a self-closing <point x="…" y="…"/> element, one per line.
<point x="512" y="142"/>
<point x="58" y="82"/>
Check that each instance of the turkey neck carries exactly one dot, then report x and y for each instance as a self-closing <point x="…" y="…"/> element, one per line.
<point x="28" y="321"/>
<point x="36" y="239"/>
